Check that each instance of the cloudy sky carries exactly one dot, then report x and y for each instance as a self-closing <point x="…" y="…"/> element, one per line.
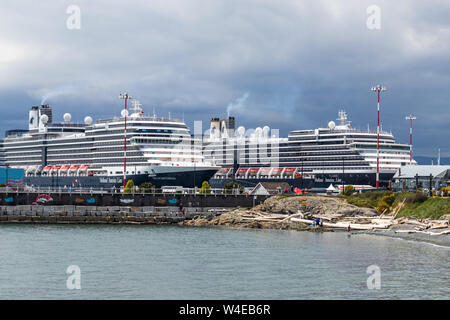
<point x="289" y="64"/>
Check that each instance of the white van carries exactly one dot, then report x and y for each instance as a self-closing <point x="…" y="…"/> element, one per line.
<point x="172" y="189"/>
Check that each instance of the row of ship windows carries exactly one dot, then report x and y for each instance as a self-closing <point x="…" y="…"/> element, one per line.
<point x="105" y="155"/>
<point x="157" y="141"/>
<point x="280" y="147"/>
<point x="129" y="161"/>
<point x="130" y="123"/>
<point x="131" y="130"/>
<point x="94" y="150"/>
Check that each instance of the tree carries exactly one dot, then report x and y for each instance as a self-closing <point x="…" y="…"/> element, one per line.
<point x="129" y="187"/>
<point x="348" y="190"/>
<point x="233" y="188"/>
<point x="147" y="187"/>
<point x="206" y="188"/>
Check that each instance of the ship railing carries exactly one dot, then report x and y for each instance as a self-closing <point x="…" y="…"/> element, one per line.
<point x="147" y="118"/>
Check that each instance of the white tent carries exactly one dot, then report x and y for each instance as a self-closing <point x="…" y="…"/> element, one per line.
<point x="331" y="188"/>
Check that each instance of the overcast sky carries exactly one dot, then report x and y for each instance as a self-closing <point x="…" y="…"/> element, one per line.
<point x="289" y="64"/>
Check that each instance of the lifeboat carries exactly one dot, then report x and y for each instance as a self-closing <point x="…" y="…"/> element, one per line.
<point x="222" y="171"/>
<point x="253" y="172"/>
<point x="241" y="172"/>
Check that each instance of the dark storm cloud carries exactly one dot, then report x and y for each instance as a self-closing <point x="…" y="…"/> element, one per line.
<point x="299" y="61"/>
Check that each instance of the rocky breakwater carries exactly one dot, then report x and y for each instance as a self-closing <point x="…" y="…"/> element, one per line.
<point x="289" y="212"/>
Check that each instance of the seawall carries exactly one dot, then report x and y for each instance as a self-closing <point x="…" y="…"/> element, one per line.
<point x="69" y="214"/>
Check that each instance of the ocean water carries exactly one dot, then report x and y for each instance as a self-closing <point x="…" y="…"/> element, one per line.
<point x="169" y="262"/>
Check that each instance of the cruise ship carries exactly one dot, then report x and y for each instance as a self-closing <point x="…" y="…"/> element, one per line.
<point x="93" y="155"/>
<point x="337" y="154"/>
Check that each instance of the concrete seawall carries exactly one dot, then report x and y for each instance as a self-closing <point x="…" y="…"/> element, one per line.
<point x="69" y="214"/>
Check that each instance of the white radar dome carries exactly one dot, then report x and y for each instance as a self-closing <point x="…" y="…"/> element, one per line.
<point x="266" y="130"/>
<point x="331" y="125"/>
<point x="67" y="117"/>
<point x="44" y="118"/>
<point x="241" y="131"/>
<point x="258" y="132"/>
<point x="88" y="121"/>
<point x="124" y="113"/>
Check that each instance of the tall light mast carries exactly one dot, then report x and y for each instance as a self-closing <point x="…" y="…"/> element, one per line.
<point x="410" y="118"/>
<point x="124" y="113"/>
<point x="378" y="88"/>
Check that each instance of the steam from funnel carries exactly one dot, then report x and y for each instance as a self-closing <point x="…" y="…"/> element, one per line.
<point x="57" y="92"/>
<point x="238" y="103"/>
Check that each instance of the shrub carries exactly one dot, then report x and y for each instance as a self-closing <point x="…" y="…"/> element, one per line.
<point x="417" y="198"/>
<point x="445" y="190"/>
<point x="129" y="187"/>
<point x="232" y="187"/>
<point x="206" y="188"/>
<point x="389" y="199"/>
<point x="382" y="206"/>
<point x="348" y="190"/>
<point x="147" y="187"/>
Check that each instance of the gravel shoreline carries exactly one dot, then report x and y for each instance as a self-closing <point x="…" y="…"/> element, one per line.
<point x="441" y="240"/>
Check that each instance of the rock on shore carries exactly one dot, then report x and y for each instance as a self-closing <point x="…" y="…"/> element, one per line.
<point x="274" y="213"/>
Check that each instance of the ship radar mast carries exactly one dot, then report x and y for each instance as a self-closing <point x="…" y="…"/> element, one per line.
<point x="137" y="110"/>
<point x="342" y="118"/>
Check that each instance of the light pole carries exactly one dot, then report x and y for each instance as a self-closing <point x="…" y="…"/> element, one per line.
<point x="378" y="88"/>
<point x="124" y="113"/>
<point x="410" y="118"/>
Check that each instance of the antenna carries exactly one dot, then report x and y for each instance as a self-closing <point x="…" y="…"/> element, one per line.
<point x="439" y="157"/>
<point x="125" y="97"/>
<point x="378" y="89"/>
<point x="410" y="118"/>
<point x="137" y="106"/>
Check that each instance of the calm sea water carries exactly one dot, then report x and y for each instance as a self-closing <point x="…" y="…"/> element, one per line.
<point x="161" y="262"/>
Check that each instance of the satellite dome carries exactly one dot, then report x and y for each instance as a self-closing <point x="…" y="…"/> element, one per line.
<point x="44" y="118"/>
<point x="331" y="125"/>
<point x="88" y="121"/>
<point x="124" y="113"/>
<point x="241" y="131"/>
<point x="258" y="132"/>
<point x="266" y="130"/>
<point x="67" y="117"/>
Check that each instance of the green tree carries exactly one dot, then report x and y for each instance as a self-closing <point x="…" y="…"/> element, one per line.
<point x="233" y="188"/>
<point x="147" y="187"/>
<point x="206" y="188"/>
<point x="348" y="190"/>
<point x="129" y="188"/>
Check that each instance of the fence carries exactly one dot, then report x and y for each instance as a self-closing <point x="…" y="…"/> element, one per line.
<point x="97" y="198"/>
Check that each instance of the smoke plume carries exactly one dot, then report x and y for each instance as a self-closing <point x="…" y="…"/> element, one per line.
<point x="238" y="103"/>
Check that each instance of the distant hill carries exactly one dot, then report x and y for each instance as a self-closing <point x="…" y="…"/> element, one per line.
<point x="427" y="160"/>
